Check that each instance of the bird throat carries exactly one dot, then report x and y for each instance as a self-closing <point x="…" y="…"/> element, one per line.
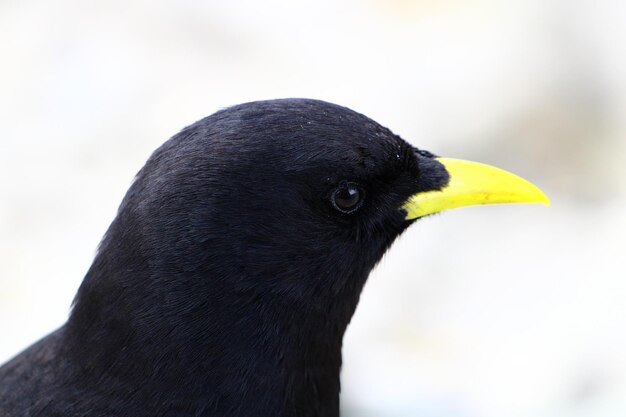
<point x="234" y="356"/>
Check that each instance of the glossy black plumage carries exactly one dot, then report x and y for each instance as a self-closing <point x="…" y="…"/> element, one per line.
<point x="226" y="282"/>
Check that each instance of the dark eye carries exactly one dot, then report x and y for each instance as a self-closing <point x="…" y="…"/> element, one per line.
<point x="347" y="198"/>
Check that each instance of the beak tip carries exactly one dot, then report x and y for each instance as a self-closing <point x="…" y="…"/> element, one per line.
<point x="542" y="198"/>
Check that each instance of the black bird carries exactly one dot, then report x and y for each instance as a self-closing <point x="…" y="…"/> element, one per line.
<point x="226" y="282"/>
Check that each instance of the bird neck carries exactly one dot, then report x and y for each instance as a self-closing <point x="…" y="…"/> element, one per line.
<point x="236" y="354"/>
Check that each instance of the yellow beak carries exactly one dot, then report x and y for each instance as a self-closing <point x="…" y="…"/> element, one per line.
<point x="472" y="183"/>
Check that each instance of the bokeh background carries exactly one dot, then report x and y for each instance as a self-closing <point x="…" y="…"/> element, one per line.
<point x="482" y="312"/>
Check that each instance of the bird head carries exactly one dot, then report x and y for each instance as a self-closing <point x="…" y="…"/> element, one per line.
<point x="291" y="202"/>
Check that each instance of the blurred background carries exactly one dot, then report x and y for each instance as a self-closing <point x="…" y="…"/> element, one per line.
<point x="481" y="312"/>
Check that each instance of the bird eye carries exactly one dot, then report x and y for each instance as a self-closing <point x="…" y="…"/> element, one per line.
<point x="347" y="198"/>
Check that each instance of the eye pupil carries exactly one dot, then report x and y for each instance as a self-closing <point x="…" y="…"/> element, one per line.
<point x="347" y="198"/>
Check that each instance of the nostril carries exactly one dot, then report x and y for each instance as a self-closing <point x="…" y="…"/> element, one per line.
<point x="432" y="174"/>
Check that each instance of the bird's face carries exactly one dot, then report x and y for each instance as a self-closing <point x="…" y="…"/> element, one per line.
<point x="295" y="200"/>
<point x="326" y="199"/>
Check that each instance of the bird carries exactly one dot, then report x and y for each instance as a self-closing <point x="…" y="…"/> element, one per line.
<point x="226" y="281"/>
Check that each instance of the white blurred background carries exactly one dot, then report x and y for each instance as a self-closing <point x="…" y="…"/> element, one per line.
<point x="481" y="312"/>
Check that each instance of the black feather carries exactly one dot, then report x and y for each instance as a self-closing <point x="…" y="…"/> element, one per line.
<point x="226" y="282"/>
